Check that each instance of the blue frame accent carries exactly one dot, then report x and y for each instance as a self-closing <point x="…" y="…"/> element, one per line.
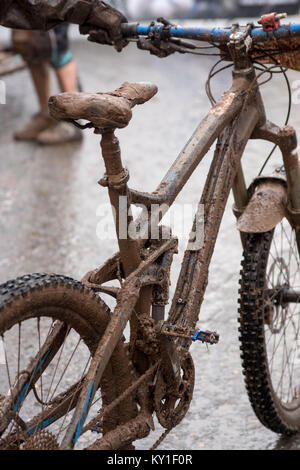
<point x="21" y="396"/>
<point x="83" y="414"/>
<point x="42" y="425"/>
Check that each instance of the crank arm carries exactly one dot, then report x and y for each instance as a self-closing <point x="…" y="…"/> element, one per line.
<point x="171" y="363"/>
<point x="171" y="359"/>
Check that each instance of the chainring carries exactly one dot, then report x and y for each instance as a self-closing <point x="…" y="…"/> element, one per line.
<point x="172" y="405"/>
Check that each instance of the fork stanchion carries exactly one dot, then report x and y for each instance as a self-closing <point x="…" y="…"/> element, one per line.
<point x="291" y="164"/>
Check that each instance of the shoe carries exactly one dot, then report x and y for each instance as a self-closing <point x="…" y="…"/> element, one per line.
<point x="38" y="123"/>
<point x="61" y="133"/>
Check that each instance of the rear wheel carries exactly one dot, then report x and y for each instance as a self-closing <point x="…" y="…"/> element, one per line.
<point x="270" y="327"/>
<point x="50" y="327"/>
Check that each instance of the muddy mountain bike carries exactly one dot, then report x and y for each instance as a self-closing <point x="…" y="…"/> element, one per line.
<point x="80" y="374"/>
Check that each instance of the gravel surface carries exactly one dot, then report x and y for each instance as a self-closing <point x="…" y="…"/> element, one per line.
<point x="50" y="203"/>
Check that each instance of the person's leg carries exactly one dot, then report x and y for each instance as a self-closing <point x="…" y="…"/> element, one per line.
<point x="66" y="73"/>
<point x="67" y="77"/>
<point x="23" y="42"/>
<point x="40" y="75"/>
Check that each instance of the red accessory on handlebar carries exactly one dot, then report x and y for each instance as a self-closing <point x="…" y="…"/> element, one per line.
<point x="271" y="21"/>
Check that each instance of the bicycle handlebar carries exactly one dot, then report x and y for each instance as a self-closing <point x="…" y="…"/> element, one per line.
<point x="214" y="35"/>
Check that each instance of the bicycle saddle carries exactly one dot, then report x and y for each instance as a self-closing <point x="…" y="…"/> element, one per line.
<point x="102" y="110"/>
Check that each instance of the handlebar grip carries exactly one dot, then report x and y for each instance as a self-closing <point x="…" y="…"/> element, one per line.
<point x="129" y="30"/>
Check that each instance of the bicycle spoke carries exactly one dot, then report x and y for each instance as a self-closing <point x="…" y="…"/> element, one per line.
<point x="283" y="352"/>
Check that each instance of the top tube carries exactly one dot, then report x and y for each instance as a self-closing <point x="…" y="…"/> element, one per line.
<point x="215" y="35"/>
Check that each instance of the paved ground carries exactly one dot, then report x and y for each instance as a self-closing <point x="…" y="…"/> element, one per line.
<point x="48" y="216"/>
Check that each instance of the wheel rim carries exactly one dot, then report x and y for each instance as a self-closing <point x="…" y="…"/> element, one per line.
<point x="282" y="316"/>
<point x="57" y="386"/>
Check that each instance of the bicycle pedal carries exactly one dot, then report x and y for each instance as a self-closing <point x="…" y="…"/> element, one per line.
<point x="207" y="337"/>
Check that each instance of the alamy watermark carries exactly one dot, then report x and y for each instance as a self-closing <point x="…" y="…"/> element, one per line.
<point x="153" y="223"/>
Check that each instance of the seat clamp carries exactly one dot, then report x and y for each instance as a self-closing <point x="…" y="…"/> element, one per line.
<point x="115" y="181"/>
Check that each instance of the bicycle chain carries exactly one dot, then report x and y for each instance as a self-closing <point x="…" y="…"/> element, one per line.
<point x="160" y="439"/>
<point x="95" y="421"/>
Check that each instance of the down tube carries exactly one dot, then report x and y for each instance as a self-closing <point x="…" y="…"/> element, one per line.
<point x="193" y="277"/>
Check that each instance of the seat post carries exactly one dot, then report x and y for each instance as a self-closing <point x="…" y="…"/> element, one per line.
<point x="115" y="179"/>
<point x="111" y="152"/>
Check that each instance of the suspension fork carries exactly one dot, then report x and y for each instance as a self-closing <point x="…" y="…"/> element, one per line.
<point x="286" y="139"/>
<point x="239" y="187"/>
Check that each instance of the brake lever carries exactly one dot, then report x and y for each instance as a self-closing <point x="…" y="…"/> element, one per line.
<point x="159" y="42"/>
<point x="162" y="49"/>
<point x="164" y="21"/>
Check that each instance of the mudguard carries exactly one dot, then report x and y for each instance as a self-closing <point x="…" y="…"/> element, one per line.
<point x="267" y="205"/>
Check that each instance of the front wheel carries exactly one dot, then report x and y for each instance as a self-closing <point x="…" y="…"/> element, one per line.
<point x="270" y="327"/>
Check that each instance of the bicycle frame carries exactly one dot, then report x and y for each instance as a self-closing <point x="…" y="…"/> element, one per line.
<point x="221" y="179"/>
<point x="225" y="174"/>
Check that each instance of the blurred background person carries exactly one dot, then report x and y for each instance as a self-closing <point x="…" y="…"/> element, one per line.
<point x="203" y="9"/>
<point x="42" y="50"/>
